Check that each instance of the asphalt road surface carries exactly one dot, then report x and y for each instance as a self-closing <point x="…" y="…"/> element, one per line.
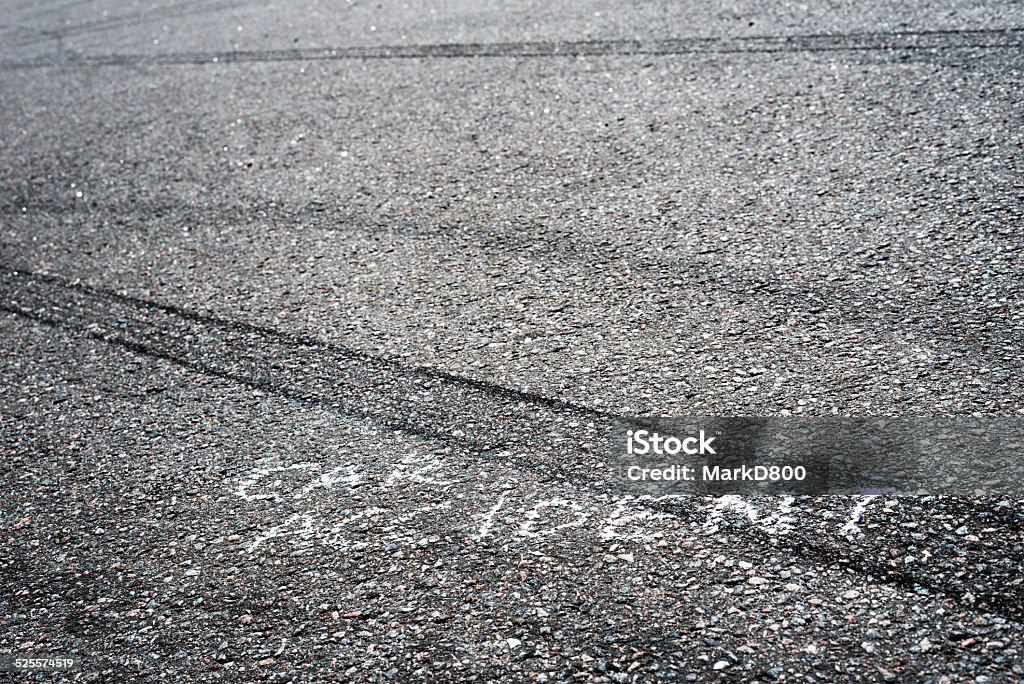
<point x="315" y="316"/>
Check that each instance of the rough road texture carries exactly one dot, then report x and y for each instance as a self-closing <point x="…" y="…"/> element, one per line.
<point x="315" y="317"/>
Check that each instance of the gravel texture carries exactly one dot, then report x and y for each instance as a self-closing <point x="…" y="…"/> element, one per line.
<point x="309" y="355"/>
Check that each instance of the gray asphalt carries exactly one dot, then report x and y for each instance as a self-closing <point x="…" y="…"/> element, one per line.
<point x="316" y="317"/>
